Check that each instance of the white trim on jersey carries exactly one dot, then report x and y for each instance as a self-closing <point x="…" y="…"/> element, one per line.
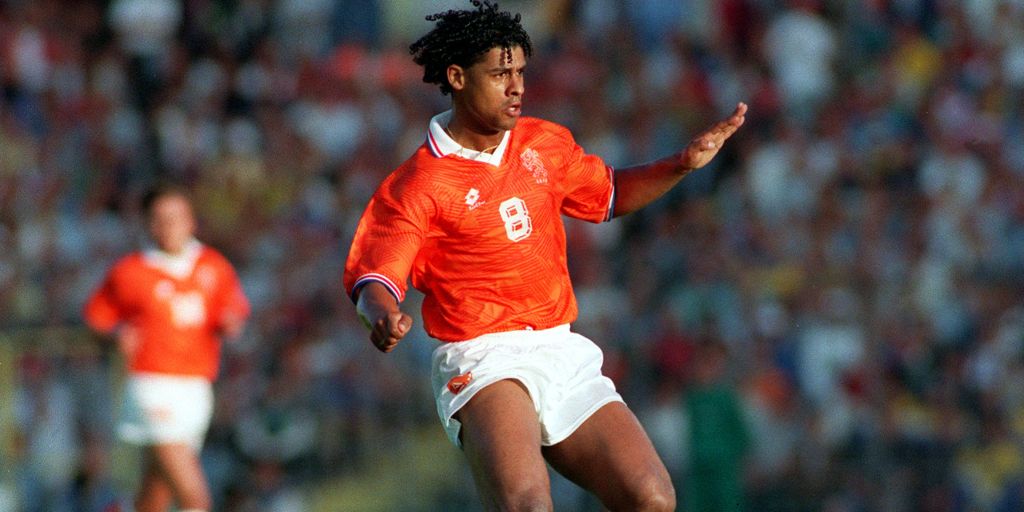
<point x="441" y="144"/>
<point x="611" y="198"/>
<point x="178" y="265"/>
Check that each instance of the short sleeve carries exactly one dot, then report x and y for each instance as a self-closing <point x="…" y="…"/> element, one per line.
<point x="232" y="299"/>
<point x="590" y="190"/>
<point x="390" y="234"/>
<point x="101" y="311"/>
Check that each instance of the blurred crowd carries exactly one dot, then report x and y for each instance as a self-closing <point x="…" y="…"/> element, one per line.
<point x="856" y="251"/>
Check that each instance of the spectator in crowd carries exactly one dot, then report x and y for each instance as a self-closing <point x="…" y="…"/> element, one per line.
<point x="719" y="439"/>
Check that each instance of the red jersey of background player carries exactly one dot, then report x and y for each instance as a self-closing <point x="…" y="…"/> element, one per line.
<point x="484" y="241"/>
<point x="177" y="305"/>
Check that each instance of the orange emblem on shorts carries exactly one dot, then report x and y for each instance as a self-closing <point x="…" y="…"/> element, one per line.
<point x="459" y="381"/>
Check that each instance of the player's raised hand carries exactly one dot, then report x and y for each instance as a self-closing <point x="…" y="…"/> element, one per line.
<point x="705" y="146"/>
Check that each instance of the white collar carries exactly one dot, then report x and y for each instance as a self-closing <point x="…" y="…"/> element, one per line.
<point x="441" y="144"/>
<point x="178" y="265"/>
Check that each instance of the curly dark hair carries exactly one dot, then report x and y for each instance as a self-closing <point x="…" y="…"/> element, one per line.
<point x="462" y="37"/>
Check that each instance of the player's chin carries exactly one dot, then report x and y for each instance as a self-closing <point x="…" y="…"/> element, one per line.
<point x="507" y="122"/>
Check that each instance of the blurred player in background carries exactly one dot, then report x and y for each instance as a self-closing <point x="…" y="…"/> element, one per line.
<point x="474" y="217"/>
<point x="168" y="307"/>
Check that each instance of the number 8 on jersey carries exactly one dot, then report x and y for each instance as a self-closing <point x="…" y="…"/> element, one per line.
<point x="517" y="219"/>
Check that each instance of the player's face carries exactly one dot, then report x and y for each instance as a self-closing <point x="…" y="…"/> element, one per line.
<point x="492" y="90"/>
<point x="171" y="223"/>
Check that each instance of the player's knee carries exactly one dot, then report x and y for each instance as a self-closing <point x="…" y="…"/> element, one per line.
<point x="195" y="498"/>
<point x="529" y="504"/>
<point x="535" y="498"/>
<point x="654" y="494"/>
<point x="197" y="504"/>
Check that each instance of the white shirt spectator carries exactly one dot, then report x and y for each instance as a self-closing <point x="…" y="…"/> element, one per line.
<point x="800" y="47"/>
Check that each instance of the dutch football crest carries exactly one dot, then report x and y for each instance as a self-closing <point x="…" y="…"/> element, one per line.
<point x="532" y="162"/>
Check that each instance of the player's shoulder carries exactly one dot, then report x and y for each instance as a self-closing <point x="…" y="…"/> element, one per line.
<point x="211" y="255"/>
<point x="424" y="172"/>
<point x="131" y="262"/>
<point x="539" y="125"/>
<point x="129" y="268"/>
<point x="535" y="128"/>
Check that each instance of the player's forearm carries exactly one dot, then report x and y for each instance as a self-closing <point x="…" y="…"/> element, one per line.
<point x="232" y="326"/>
<point x="638" y="186"/>
<point x="374" y="303"/>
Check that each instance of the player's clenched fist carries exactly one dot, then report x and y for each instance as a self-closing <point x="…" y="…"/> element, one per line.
<point x="388" y="330"/>
<point x="378" y="310"/>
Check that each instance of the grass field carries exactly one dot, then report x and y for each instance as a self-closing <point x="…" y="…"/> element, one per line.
<point x="417" y="474"/>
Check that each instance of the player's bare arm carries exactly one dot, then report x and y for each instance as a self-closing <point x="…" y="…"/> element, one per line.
<point x="378" y="310"/>
<point x="638" y="186"/>
<point x="128" y="340"/>
<point x="232" y="325"/>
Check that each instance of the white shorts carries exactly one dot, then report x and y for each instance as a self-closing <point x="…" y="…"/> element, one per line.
<point x="166" y="409"/>
<point x="560" y="369"/>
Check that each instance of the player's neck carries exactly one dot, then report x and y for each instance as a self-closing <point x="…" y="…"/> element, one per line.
<point x="177" y="249"/>
<point x="472" y="139"/>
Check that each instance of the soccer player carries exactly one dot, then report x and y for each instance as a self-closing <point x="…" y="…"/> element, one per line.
<point x="474" y="218"/>
<point x="168" y="307"/>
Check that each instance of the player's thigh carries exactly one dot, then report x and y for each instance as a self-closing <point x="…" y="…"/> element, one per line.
<point x="501" y="439"/>
<point x="611" y="455"/>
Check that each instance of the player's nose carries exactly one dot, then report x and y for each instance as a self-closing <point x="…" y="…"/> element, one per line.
<point x="517" y="86"/>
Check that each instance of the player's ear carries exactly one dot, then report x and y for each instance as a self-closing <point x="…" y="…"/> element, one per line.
<point x="456" y="77"/>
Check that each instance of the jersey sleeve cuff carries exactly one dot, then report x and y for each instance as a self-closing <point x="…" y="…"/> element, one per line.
<point x="611" y="200"/>
<point x="365" y="279"/>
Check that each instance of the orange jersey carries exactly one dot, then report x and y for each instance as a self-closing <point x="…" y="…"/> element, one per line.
<point x="178" y="316"/>
<point x="483" y="240"/>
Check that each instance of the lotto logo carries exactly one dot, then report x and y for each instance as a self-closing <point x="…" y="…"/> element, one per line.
<point x="459" y="382"/>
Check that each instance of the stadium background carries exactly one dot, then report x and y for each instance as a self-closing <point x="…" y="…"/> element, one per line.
<point x="858" y="246"/>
